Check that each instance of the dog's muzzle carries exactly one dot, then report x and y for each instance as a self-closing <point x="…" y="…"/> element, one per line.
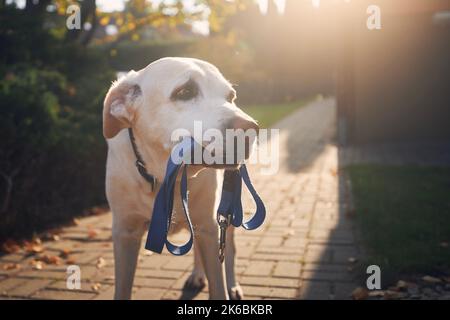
<point x="239" y="138"/>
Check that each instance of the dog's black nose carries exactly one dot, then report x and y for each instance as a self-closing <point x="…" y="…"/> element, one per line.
<point x="246" y="131"/>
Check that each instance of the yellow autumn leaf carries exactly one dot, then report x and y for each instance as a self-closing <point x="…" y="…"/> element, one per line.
<point x="135" y="37"/>
<point x="360" y="293"/>
<point x="101" y="262"/>
<point x="104" y="21"/>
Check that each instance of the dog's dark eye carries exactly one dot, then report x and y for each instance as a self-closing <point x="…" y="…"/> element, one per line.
<point x="231" y="96"/>
<point x="186" y="92"/>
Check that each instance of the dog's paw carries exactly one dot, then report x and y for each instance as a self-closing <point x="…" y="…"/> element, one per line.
<point x="236" y="292"/>
<point x="196" y="281"/>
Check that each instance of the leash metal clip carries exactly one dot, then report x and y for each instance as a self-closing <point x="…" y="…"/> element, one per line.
<point x="223" y="225"/>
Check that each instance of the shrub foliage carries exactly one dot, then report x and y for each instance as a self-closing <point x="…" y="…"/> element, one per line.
<point x="52" y="151"/>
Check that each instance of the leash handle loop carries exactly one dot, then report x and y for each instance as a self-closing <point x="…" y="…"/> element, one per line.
<point x="163" y="207"/>
<point x="260" y="214"/>
<point x="230" y="203"/>
<point x="183" y="249"/>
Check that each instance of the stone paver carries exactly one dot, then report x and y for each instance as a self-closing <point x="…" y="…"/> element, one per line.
<point x="301" y="252"/>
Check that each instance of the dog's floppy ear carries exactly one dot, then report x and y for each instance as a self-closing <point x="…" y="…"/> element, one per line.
<point x="119" y="107"/>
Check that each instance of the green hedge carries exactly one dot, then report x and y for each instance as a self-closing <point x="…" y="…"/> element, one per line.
<point x="137" y="55"/>
<point x="52" y="152"/>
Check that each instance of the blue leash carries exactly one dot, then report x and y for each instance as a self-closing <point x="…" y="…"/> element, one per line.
<point x="229" y="210"/>
<point x="163" y="206"/>
<point x="230" y="206"/>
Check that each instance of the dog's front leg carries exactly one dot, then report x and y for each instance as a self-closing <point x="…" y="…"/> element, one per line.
<point x="127" y="235"/>
<point x="208" y="245"/>
<point x="234" y="289"/>
<point x="197" y="279"/>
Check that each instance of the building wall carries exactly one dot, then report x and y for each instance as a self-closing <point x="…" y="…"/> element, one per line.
<point x="402" y="80"/>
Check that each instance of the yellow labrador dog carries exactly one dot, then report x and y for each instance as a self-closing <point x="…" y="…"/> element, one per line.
<point x="167" y="95"/>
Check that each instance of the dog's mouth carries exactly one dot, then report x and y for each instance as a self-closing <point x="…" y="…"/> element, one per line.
<point x="224" y="160"/>
<point x="218" y="158"/>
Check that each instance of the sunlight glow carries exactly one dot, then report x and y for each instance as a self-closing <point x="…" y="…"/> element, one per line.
<point x="118" y="5"/>
<point x="264" y="5"/>
<point x="110" y="5"/>
<point x="19" y="3"/>
<point x="281" y="5"/>
<point x="316" y="3"/>
<point x="199" y="27"/>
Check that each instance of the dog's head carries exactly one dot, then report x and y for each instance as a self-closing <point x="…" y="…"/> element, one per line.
<point x="174" y="94"/>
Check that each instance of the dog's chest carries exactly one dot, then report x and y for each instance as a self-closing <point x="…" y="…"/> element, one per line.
<point x="144" y="203"/>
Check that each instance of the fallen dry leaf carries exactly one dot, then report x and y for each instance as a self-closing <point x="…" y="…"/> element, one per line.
<point x="70" y="260"/>
<point x="393" y="295"/>
<point x="33" y="248"/>
<point x="376" y="293"/>
<point x="12" y="266"/>
<point x="431" y="279"/>
<point x="403" y="285"/>
<point x="100" y="263"/>
<point x="96" y="287"/>
<point x="92" y="234"/>
<point x="333" y="172"/>
<point x="37" y="265"/>
<point x="10" y="246"/>
<point x="392" y="288"/>
<point x="352" y="260"/>
<point x="64" y="253"/>
<point x="50" y="259"/>
<point x="52" y="237"/>
<point x="97" y="210"/>
<point x="360" y="293"/>
<point x="53" y="234"/>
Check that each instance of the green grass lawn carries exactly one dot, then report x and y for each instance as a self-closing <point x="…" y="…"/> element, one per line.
<point x="404" y="216"/>
<point x="268" y="114"/>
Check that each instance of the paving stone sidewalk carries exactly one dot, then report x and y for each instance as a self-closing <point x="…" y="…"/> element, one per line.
<point x="303" y="251"/>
